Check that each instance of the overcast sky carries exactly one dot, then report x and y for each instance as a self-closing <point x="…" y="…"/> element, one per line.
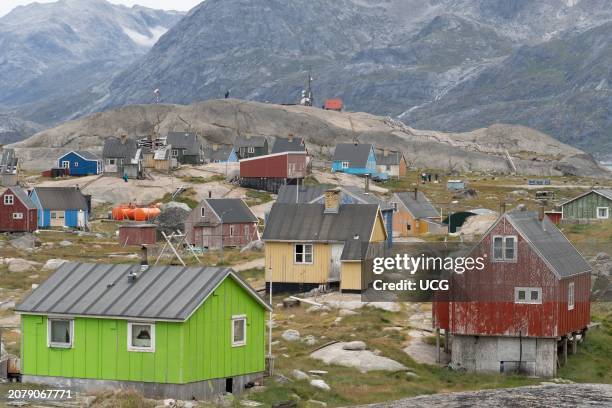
<point x="8" y="5"/>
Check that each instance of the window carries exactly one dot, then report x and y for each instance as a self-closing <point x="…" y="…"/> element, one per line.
<point x="504" y="248"/>
<point x="238" y="331"/>
<point x="603" y="213"/>
<point x="76" y="164"/>
<point x="141" y="337"/>
<point x="528" y="295"/>
<point x="60" y="333"/>
<point x="66" y="164"/>
<point x="203" y="212"/>
<point x="18" y="216"/>
<point x="112" y="162"/>
<point x="570" y="296"/>
<point x="231" y="230"/>
<point x="251" y="150"/>
<point x="57" y="215"/>
<point x="9" y="199"/>
<point x="345" y="165"/>
<point x="175" y="152"/>
<point x="303" y="254"/>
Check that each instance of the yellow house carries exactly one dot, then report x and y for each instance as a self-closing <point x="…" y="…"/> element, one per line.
<point x="309" y="245"/>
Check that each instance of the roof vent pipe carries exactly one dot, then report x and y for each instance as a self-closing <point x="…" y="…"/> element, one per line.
<point x="367" y="183"/>
<point x="416" y="194"/>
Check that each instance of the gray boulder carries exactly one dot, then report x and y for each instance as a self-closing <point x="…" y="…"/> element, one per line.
<point x="354" y="346"/>
<point x="291" y="335"/>
<point x="175" y="204"/>
<point x="320" y="384"/>
<point x="299" y="375"/>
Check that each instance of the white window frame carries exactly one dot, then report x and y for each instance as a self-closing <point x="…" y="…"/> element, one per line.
<point x="174" y="153"/>
<point x="51" y="344"/>
<point x="528" y="291"/>
<point x="203" y="212"/>
<point x="345" y="165"/>
<point x="304" y="246"/>
<point x="250" y="150"/>
<point x="130" y="347"/>
<point x="607" y="216"/>
<point x="9" y="199"/>
<point x="17" y="216"/>
<point x="111" y="162"/>
<point x="242" y="342"/>
<point x="571" y="296"/>
<point x="65" y="164"/>
<point x="76" y="164"/>
<point x="504" y="247"/>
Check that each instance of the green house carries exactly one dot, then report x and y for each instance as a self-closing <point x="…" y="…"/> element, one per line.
<point x="166" y="331"/>
<point x="594" y="205"/>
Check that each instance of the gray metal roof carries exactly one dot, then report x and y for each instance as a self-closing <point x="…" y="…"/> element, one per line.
<point x="8" y="161"/>
<point x="392" y="158"/>
<point x="606" y="192"/>
<point x="185" y="140"/>
<point x="306" y="194"/>
<point x="61" y="198"/>
<point x="231" y="210"/>
<point x="308" y="222"/>
<point x="367" y="198"/>
<point x="355" y="154"/>
<point x="419" y="208"/>
<point x="23" y="196"/>
<point x="86" y="155"/>
<point x="549" y="242"/>
<point x="115" y="148"/>
<point x="159" y="293"/>
<point x="220" y="155"/>
<point x="354" y="250"/>
<point x="285" y="145"/>
<point x="251" y="141"/>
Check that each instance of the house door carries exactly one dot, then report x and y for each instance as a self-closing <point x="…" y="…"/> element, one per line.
<point x="334" y="270"/>
<point x="58" y="218"/>
<point x="81" y="219"/>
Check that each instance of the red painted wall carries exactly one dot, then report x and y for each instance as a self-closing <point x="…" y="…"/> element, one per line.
<point x="8" y="224"/>
<point x="137" y="236"/>
<point x="286" y="165"/>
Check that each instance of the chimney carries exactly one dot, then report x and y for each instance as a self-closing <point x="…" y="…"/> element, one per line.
<point x="502" y="208"/>
<point x="123" y="138"/>
<point x="416" y="194"/>
<point x="144" y="256"/>
<point x="332" y="201"/>
<point x="386" y="152"/>
<point x="367" y="183"/>
<point x="209" y="194"/>
<point x="215" y="147"/>
<point x="541" y="213"/>
<point x="290" y="137"/>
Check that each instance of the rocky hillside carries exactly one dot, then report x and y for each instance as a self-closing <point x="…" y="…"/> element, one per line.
<point x="221" y="121"/>
<point x="55" y="58"/>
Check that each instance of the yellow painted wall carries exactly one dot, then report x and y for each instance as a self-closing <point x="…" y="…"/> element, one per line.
<point x="350" y="276"/>
<point x="379" y="230"/>
<point x="279" y="262"/>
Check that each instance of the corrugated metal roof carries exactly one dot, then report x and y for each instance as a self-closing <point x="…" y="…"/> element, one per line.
<point x="308" y="222"/>
<point x="367" y="198"/>
<point x="232" y="210"/>
<point x="393" y="158"/>
<point x="306" y="194"/>
<point x="185" y="140"/>
<point x="419" y="208"/>
<point x="285" y="145"/>
<point x="159" y="293"/>
<point x="114" y="148"/>
<point x="8" y="161"/>
<point x="355" y="154"/>
<point x="606" y="192"/>
<point x="84" y="154"/>
<point x="252" y="141"/>
<point x="23" y="196"/>
<point x="549" y="242"/>
<point x="61" y="198"/>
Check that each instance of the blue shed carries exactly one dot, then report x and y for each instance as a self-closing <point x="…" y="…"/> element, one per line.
<point x="63" y="207"/>
<point x="80" y="163"/>
<point x="355" y="158"/>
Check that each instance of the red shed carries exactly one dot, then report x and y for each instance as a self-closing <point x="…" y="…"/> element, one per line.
<point x="17" y="211"/>
<point x="555" y="216"/>
<point x="137" y="234"/>
<point x="333" y="104"/>
<point x="271" y="171"/>
<point x="532" y="293"/>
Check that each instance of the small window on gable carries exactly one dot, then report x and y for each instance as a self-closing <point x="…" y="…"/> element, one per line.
<point x="504" y="248"/>
<point x="603" y="213"/>
<point x="570" y="296"/>
<point x="9" y="199"/>
<point x="141" y="337"/>
<point x="345" y="165"/>
<point x="528" y="295"/>
<point x="60" y="333"/>
<point x="238" y="330"/>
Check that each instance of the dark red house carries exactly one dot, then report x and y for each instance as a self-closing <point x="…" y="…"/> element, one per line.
<point x="531" y="298"/>
<point x="17" y="211"/>
<point x="272" y="171"/>
<point x="221" y="223"/>
<point x="137" y="234"/>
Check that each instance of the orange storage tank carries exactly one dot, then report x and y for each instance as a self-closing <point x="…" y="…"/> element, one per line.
<point x="123" y="212"/>
<point x="146" y="214"/>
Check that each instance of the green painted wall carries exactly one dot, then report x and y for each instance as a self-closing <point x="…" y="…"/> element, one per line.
<point x="586" y="207"/>
<point x="198" y="349"/>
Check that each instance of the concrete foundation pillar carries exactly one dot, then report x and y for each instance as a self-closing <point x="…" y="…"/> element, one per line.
<point x="446" y="341"/>
<point x="574" y="343"/>
<point x="564" y="360"/>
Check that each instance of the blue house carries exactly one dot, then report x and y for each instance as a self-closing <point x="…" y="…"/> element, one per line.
<point x="61" y="207"/>
<point x="80" y="163"/>
<point x="355" y="158"/>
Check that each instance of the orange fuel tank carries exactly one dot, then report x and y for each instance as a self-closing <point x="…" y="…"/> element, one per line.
<point x="146" y="214"/>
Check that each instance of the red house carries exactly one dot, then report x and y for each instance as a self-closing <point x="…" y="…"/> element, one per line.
<point x="272" y="171"/>
<point x="334" y="104"/>
<point x="531" y="298"/>
<point x="17" y="211"/>
<point x="221" y="223"/>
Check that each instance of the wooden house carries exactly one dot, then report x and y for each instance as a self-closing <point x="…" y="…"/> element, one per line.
<point x="221" y="223"/>
<point x="392" y="163"/>
<point x="415" y="215"/>
<point x="289" y="144"/>
<point x="159" y="159"/>
<point x="272" y="171"/>
<point x="61" y="207"/>
<point x="9" y="167"/>
<point x="531" y="296"/>
<point x="17" y="211"/>
<point x="166" y="331"/>
<point x="186" y="147"/>
<point x="122" y="157"/>
<point x="80" y="163"/>
<point x="251" y="146"/>
<point x="594" y="205"/>
<point x="355" y="158"/>
<point x="312" y="245"/>
<point x="137" y="234"/>
<point x="216" y="153"/>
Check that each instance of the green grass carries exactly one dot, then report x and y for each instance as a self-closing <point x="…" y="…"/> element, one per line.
<point x="203" y="180"/>
<point x="188" y="197"/>
<point x="256" y="197"/>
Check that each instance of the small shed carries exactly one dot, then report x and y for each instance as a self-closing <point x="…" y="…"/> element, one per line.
<point x="392" y="163"/>
<point x="80" y="163"/>
<point x="133" y="234"/>
<point x="335" y="104"/>
<point x="594" y="205"/>
<point x="455" y="185"/>
<point x="63" y="207"/>
<point x="17" y="211"/>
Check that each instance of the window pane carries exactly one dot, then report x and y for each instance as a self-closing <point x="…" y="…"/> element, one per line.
<point x="308" y="258"/>
<point x="534" y="295"/>
<point x="521" y="295"/>
<point x="141" y="335"/>
<point x="239" y="330"/>
<point x="509" y="247"/>
<point x="497" y="248"/>
<point x="60" y="331"/>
